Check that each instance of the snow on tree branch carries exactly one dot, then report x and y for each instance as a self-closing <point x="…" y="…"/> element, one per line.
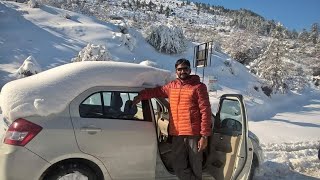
<point x="33" y="4"/>
<point x="128" y="40"/>
<point x="29" y="67"/>
<point x="170" y="40"/>
<point x="93" y="53"/>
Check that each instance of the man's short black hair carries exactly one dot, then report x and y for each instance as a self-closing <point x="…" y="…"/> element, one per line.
<point x="182" y="61"/>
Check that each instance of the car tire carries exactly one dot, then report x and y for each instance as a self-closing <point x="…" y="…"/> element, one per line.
<point x="254" y="167"/>
<point x="71" y="171"/>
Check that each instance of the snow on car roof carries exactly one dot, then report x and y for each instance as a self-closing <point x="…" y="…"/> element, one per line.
<point x="52" y="90"/>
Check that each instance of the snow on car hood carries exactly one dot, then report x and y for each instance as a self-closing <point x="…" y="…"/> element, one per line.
<point x="52" y="90"/>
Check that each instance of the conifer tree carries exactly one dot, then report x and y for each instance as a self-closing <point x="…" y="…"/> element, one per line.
<point x="161" y="9"/>
<point x="314" y="34"/>
<point x="167" y="12"/>
<point x="271" y="65"/>
<point x="303" y="35"/>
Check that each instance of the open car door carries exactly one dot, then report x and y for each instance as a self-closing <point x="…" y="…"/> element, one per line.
<point x="228" y="146"/>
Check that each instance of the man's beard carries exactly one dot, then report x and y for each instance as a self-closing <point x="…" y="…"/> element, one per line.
<point x="184" y="76"/>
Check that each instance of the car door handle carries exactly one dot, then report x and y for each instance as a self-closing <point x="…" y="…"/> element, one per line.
<point x="90" y="130"/>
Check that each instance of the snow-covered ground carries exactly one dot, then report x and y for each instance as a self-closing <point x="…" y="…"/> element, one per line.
<point x="288" y="125"/>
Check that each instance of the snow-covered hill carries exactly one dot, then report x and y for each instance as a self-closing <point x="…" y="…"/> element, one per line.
<point x="287" y="125"/>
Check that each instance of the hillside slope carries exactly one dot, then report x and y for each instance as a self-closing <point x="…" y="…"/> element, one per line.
<point x="289" y="122"/>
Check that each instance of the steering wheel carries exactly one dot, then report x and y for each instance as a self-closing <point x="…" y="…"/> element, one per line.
<point x="231" y="124"/>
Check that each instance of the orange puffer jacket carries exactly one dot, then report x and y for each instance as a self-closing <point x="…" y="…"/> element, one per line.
<point x="189" y="104"/>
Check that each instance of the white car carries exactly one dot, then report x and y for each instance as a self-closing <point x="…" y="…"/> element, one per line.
<point x="77" y="121"/>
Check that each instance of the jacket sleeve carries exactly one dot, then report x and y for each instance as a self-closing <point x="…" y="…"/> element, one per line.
<point x="162" y="91"/>
<point x="205" y="110"/>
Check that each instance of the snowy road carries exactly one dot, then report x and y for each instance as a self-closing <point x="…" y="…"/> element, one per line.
<point x="291" y="139"/>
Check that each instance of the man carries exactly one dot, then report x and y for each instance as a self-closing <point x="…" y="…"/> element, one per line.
<point x="190" y="119"/>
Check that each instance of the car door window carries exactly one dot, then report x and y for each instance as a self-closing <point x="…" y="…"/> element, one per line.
<point x="111" y="105"/>
<point x="230" y="116"/>
<point x="156" y="108"/>
<point x="91" y="106"/>
<point x="106" y="98"/>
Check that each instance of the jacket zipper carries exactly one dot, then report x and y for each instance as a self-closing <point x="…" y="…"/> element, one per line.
<point x="178" y="107"/>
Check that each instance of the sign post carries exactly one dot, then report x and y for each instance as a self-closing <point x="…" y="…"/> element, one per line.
<point x="202" y="53"/>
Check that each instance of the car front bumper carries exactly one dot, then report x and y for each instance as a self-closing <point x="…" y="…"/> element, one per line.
<point x="19" y="163"/>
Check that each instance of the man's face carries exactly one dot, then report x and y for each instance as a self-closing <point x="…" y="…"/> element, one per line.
<point x="183" y="71"/>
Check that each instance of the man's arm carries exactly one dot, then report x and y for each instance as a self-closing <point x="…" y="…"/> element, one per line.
<point x="205" y="110"/>
<point x="162" y="91"/>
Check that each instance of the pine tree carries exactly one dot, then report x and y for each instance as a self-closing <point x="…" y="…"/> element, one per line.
<point x="143" y="4"/>
<point x="198" y="10"/>
<point x="138" y="4"/>
<point x="314" y="33"/>
<point x="304" y="35"/>
<point x="167" y="12"/>
<point x="161" y="9"/>
<point x="150" y="5"/>
<point x="294" y="34"/>
<point x="271" y="66"/>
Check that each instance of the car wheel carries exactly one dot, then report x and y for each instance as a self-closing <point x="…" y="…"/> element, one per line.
<point x="71" y="171"/>
<point x="254" y="166"/>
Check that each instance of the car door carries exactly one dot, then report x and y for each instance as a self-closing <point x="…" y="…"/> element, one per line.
<point x="125" y="143"/>
<point x="228" y="149"/>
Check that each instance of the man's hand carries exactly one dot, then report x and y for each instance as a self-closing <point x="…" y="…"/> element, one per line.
<point x="202" y="144"/>
<point x="136" y="100"/>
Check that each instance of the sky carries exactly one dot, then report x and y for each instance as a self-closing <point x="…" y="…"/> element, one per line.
<point x="293" y="14"/>
<point x="287" y="125"/>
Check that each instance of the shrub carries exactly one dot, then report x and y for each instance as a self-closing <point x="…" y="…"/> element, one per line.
<point x="266" y="90"/>
<point x="93" y="53"/>
<point x="28" y="68"/>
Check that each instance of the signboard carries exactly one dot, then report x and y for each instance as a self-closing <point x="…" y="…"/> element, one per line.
<point x="213" y="84"/>
<point x="201" y="54"/>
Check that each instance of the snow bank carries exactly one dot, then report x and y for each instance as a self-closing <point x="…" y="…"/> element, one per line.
<point x="289" y="161"/>
<point x="52" y="90"/>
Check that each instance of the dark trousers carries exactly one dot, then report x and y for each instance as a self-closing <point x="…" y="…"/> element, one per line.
<point x="187" y="161"/>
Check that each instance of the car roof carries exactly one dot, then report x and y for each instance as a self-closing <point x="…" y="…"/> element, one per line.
<point x="52" y="90"/>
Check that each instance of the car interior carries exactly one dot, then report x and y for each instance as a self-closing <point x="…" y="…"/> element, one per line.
<point x="110" y="105"/>
<point x="220" y="156"/>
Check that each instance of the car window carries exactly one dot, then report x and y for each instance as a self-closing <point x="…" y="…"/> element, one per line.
<point x="156" y="108"/>
<point x="94" y="99"/>
<point x="111" y="105"/>
<point x="106" y="98"/>
<point x="91" y="106"/>
<point x="230" y="115"/>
